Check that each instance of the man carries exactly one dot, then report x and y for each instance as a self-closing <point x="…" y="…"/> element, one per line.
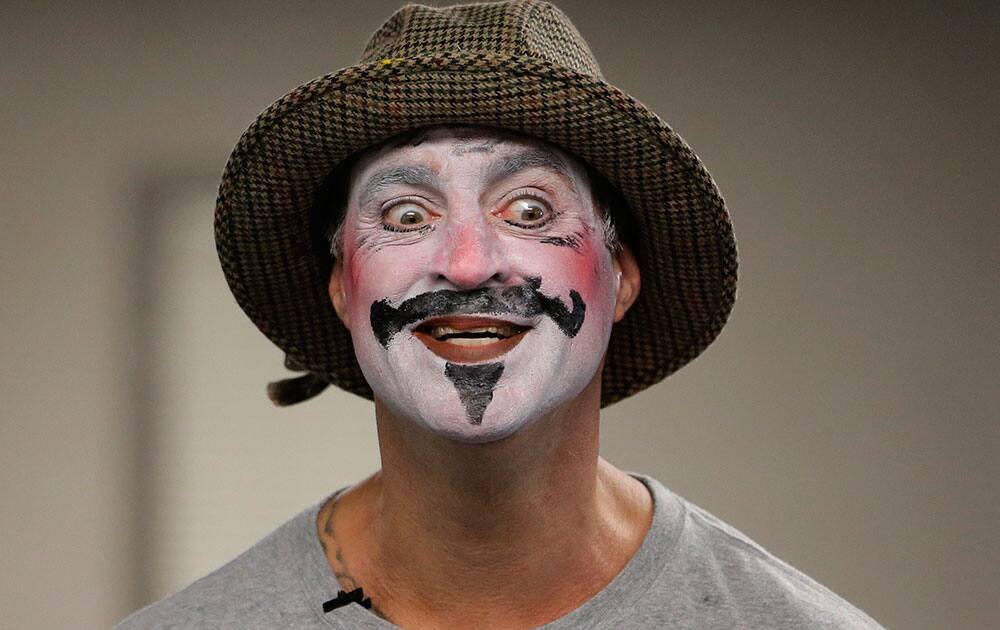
<point x="473" y="173"/>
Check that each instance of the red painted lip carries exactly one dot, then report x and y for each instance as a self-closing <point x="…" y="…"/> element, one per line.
<point x="467" y="354"/>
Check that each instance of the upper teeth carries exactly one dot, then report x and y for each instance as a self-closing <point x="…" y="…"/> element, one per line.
<point x="503" y="331"/>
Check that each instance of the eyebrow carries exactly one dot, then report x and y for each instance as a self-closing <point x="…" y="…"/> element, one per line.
<point x="410" y="175"/>
<point x="528" y="158"/>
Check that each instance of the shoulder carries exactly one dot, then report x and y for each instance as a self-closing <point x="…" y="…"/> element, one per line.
<point x="257" y="589"/>
<point x="708" y="574"/>
<point x="763" y="590"/>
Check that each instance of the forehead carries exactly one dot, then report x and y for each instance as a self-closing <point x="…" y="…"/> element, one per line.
<point x="448" y="148"/>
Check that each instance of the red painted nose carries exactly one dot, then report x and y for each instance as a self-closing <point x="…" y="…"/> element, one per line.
<point x="472" y="257"/>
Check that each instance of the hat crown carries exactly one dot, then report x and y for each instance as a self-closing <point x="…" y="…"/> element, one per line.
<point x="520" y="28"/>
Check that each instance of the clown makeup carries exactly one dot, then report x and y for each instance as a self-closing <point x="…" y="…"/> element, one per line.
<point x="475" y="280"/>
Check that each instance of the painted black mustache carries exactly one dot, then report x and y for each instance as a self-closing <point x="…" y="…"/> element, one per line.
<point x="524" y="300"/>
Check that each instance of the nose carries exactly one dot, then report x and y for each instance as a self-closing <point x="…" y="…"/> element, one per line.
<point x="471" y="257"/>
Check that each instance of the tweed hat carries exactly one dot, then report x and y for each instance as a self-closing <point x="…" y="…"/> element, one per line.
<point x="520" y="66"/>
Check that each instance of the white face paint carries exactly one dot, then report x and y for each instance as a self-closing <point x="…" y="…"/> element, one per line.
<point x="462" y="213"/>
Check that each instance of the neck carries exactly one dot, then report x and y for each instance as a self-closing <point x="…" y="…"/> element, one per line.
<point x="490" y="490"/>
<point x="532" y="525"/>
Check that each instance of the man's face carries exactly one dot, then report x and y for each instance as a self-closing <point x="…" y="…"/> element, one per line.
<point x="475" y="280"/>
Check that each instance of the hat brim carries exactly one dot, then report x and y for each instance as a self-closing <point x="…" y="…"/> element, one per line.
<point x="265" y="233"/>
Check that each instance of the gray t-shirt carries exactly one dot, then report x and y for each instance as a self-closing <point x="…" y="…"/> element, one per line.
<point x="691" y="571"/>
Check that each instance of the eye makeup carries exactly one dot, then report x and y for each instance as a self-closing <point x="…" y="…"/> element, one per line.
<point x="384" y="235"/>
<point x="572" y="241"/>
<point x="427" y="227"/>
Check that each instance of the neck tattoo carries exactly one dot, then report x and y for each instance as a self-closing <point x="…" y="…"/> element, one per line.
<point x="341" y="572"/>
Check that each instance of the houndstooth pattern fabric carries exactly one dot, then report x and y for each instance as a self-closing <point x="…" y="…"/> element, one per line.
<point x="516" y="29"/>
<point x="516" y="65"/>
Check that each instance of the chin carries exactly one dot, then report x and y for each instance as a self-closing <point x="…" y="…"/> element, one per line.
<point x="455" y="426"/>
<point x="484" y="433"/>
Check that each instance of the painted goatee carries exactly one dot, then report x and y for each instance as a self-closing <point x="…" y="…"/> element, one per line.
<point x="475" y="385"/>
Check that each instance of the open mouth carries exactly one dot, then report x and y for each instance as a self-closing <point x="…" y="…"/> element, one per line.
<point x="469" y="339"/>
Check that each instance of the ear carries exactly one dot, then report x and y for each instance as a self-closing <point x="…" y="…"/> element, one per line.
<point x="336" y="291"/>
<point x="627" y="271"/>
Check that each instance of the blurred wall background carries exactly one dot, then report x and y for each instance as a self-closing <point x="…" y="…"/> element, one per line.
<point x="846" y="418"/>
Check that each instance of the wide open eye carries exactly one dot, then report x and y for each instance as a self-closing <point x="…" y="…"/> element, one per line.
<point x="526" y="213"/>
<point x="406" y="216"/>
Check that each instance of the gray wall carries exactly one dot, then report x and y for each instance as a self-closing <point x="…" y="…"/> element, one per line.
<point x="845" y="418"/>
